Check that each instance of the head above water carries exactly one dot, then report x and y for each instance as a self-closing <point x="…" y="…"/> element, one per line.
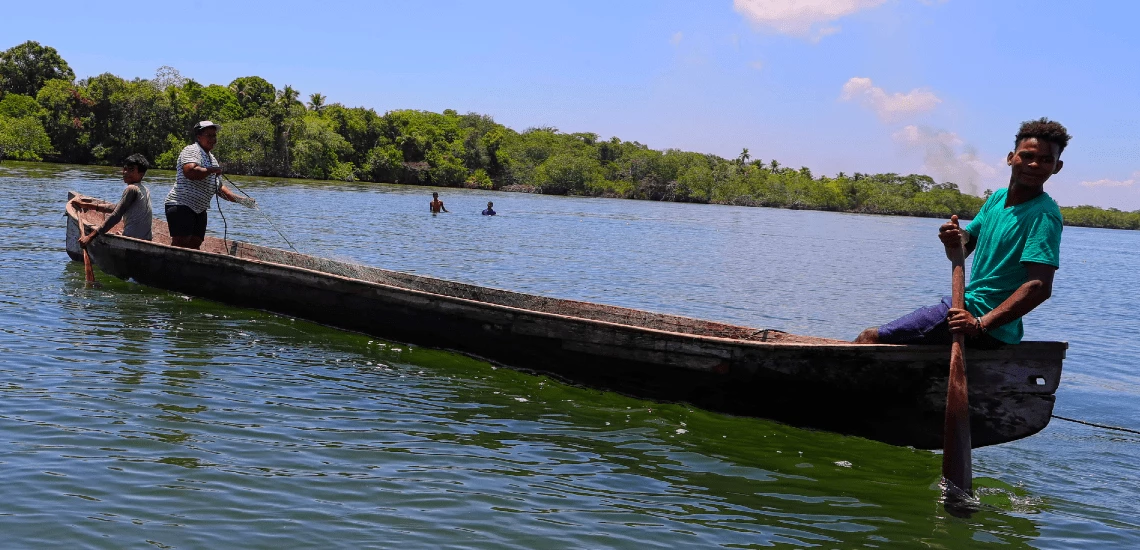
<point x="490" y="204"/>
<point x="1037" y="152"/>
<point x="134" y="168"/>
<point x="435" y="195"/>
<point x="206" y="134"/>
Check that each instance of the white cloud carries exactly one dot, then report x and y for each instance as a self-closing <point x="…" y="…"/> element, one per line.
<point x="825" y="31"/>
<point x="800" y="17"/>
<point x="947" y="158"/>
<point x="676" y="38"/>
<point x="1113" y="183"/>
<point x="888" y="106"/>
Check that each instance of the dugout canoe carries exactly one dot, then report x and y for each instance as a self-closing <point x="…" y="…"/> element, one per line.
<point x="895" y="394"/>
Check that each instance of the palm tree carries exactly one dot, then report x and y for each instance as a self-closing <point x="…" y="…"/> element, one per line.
<point x="288" y="96"/>
<point x="240" y="89"/>
<point x="743" y="158"/>
<point x="316" y="102"/>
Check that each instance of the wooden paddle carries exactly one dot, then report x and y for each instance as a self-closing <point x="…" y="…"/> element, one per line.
<point x="956" y="467"/>
<point x="88" y="271"/>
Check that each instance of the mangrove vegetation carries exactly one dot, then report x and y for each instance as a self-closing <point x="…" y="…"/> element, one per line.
<point x="46" y="114"/>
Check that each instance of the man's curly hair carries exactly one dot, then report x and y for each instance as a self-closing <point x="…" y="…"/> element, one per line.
<point x="1044" y="130"/>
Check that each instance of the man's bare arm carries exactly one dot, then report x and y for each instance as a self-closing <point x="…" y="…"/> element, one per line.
<point x="228" y="195"/>
<point x="1032" y="293"/>
<point x="197" y="172"/>
<point x="971" y="242"/>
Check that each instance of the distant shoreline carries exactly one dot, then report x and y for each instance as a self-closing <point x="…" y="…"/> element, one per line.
<point x="1085" y="216"/>
<point x="271" y="132"/>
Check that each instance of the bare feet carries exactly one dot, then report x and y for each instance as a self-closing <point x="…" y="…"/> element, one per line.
<point x="868" y="336"/>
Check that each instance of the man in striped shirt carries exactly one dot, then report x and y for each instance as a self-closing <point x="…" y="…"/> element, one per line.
<point x="197" y="180"/>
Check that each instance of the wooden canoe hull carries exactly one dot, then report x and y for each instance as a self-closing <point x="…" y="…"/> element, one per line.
<point x="894" y="394"/>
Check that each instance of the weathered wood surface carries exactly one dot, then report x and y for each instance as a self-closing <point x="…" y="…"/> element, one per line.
<point x="957" y="466"/>
<point x="890" y="393"/>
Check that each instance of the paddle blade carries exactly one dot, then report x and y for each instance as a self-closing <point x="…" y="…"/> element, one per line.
<point x="88" y="270"/>
<point x="956" y="441"/>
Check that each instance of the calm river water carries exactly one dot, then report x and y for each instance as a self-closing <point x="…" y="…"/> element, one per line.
<point x="131" y="416"/>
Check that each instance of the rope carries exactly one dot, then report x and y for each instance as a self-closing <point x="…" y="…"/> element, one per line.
<point x="225" y="226"/>
<point x="1119" y="429"/>
<point x="324" y="264"/>
<point x="266" y="216"/>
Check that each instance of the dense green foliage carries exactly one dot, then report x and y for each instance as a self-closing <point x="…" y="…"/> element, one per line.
<point x="1091" y="216"/>
<point x="46" y="114"/>
<point x="25" y="68"/>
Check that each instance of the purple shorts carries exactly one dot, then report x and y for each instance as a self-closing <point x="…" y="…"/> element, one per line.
<point x="928" y="325"/>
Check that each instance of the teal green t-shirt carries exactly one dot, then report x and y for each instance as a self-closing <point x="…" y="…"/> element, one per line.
<point x="1006" y="239"/>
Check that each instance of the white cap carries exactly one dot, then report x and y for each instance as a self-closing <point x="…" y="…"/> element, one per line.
<point x="206" y="124"/>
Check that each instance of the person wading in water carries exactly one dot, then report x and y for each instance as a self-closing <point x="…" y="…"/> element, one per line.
<point x="436" y="205"/>
<point x="197" y="180"/>
<point x="1016" y="238"/>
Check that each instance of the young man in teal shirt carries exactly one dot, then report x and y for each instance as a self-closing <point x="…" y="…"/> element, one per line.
<point x="1016" y="238"/>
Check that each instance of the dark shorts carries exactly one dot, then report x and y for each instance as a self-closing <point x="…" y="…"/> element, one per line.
<point x="928" y="325"/>
<point x="185" y="222"/>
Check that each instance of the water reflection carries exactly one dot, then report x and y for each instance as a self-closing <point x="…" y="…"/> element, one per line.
<point x="183" y="462"/>
<point x="574" y="454"/>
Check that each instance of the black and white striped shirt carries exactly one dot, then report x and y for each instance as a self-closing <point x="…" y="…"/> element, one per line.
<point x="187" y="192"/>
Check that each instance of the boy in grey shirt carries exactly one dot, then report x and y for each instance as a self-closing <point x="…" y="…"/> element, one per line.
<point x="133" y="207"/>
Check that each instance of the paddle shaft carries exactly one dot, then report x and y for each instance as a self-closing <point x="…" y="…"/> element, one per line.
<point x="88" y="271"/>
<point x="956" y="444"/>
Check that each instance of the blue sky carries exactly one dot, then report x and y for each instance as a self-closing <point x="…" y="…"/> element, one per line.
<point x="931" y="86"/>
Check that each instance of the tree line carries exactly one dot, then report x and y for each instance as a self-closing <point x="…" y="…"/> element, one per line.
<point x="46" y="114"/>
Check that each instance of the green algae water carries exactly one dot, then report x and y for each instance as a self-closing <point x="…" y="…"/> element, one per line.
<point x="135" y="417"/>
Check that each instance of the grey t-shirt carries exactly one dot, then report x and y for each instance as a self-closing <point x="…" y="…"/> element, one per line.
<point x="134" y="210"/>
<point x="138" y="217"/>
